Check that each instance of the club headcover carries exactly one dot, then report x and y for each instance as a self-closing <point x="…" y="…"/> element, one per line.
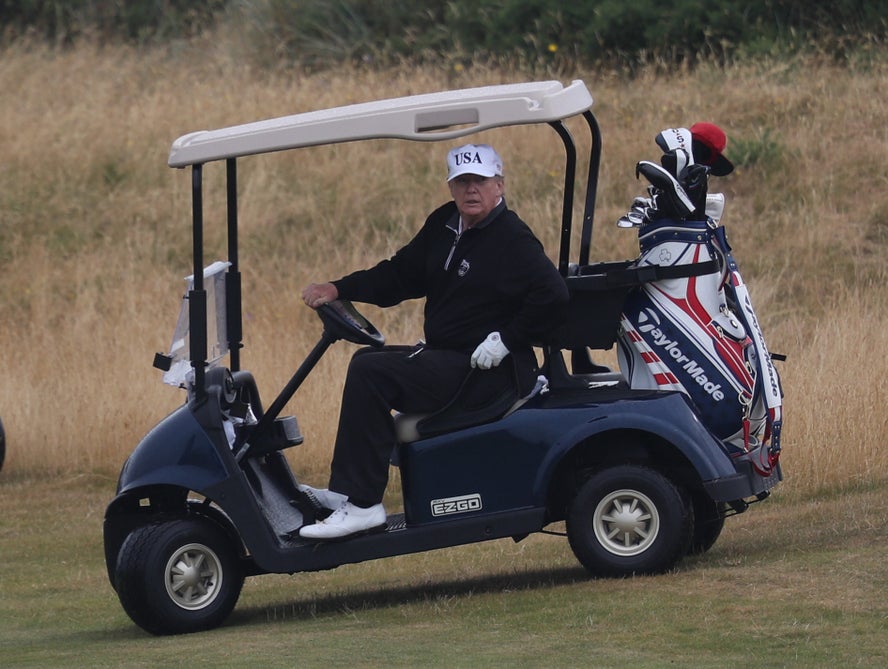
<point x="673" y="201"/>
<point x="675" y="138"/>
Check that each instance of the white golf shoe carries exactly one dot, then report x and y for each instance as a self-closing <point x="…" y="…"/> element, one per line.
<point x="322" y="498"/>
<point x="345" y="521"/>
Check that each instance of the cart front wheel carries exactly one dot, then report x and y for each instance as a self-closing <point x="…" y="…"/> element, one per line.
<point x="178" y="576"/>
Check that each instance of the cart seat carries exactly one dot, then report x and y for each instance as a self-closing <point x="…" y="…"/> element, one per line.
<point x="469" y="407"/>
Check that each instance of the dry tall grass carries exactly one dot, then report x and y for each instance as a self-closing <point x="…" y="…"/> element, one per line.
<point x="94" y="233"/>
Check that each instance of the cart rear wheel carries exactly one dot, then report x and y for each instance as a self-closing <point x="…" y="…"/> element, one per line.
<point x="629" y="520"/>
<point x="178" y="576"/>
<point x="709" y="520"/>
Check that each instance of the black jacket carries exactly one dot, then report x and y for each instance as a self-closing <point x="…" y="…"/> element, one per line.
<point x="494" y="277"/>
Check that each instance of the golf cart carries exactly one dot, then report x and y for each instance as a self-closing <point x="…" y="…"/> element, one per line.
<point x="208" y="497"/>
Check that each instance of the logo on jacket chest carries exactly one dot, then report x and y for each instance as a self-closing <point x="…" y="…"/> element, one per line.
<point x="463" y="268"/>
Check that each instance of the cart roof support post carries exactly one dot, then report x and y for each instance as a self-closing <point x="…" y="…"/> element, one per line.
<point x="197" y="296"/>
<point x="591" y="187"/>
<point x="233" y="312"/>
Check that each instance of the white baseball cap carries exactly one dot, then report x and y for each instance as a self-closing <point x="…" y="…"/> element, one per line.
<point x="480" y="159"/>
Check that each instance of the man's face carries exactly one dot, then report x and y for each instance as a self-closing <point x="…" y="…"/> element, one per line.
<point x="475" y="196"/>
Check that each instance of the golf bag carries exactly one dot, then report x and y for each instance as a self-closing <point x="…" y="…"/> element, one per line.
<point x="695" y="330"/>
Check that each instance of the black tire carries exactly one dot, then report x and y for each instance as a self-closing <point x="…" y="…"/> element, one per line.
<point x="178" y="576"/>
<point x="629" y="520"/>
<point x="709" y="519"/>
<point x="2" y="444"/>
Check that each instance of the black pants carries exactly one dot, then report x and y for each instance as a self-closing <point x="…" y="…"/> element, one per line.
<point x="379" y="381"/>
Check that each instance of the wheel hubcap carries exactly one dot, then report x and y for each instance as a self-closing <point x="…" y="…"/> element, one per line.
<point x="193" y="576"/>
<point x="626" y="523"/>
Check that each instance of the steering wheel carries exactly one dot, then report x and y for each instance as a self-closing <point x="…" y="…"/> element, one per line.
<point x="342" y="321"/>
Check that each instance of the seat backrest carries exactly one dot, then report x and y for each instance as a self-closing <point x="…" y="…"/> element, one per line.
<point x="597" y="293"/>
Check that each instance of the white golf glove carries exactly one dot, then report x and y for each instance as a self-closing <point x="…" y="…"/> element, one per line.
<point x="490" y="352"/>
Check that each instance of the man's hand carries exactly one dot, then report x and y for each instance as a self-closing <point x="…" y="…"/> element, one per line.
<point x="316" y="294"/>
<point x="490" y="352"/>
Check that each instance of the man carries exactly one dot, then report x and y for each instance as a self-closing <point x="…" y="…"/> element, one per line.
<point x="490" y="293"/>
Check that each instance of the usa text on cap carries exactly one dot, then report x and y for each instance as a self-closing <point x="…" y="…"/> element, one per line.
<point x="480" y="159"/>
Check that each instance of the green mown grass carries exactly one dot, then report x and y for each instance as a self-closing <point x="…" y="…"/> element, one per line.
<point x="791" y="583"/>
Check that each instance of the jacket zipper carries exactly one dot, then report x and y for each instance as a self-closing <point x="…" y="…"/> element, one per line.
<point x="452" y="250"/>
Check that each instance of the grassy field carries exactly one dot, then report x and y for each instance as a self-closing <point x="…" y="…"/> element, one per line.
<point x="95" y="236"/>
<point x="94" y="242"/>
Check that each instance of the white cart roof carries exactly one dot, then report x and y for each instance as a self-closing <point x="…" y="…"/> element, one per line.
<point x="429" y="117"/>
